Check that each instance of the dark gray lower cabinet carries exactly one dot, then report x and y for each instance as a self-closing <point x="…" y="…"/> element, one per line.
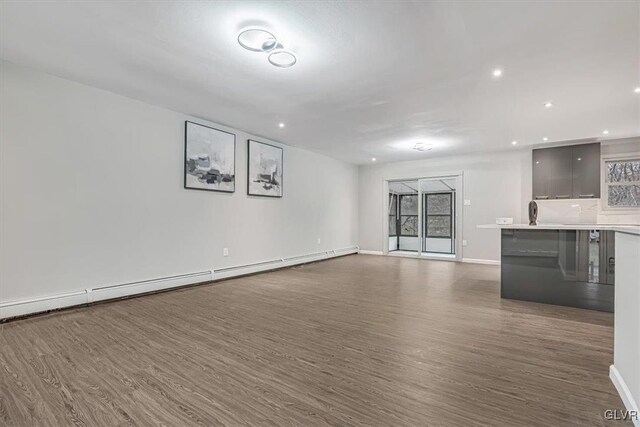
<point x="564" y="267"/>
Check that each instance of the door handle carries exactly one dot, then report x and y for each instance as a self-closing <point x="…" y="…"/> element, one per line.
<point x="583" y="196"/>
<point x="563" y="196"/>
<point x="542" y="197"/>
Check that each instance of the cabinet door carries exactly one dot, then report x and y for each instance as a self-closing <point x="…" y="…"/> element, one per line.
<point x="560" y="175"/>
<point x="541" y="167"/>
<point x="586" y="171"/>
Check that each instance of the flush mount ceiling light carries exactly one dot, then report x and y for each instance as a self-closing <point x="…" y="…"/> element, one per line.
<point x="263" y="41"/>
<point x="282" y="58"/>
<point x="545" y="139"/>
<point x="281" y="125"/>
<point x="637" y="90"/>
<point x="605" y="132"/>
<point x="514" y="142"/>
<point x="548" y="104"/>
<point x="257" y="40"/>
<point x="421" y="146"/>
<point x="497" y="73"/>
<point x="373" y="159"/>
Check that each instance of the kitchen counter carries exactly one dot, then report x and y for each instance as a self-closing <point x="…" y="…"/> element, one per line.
<point x="631" y="229"/>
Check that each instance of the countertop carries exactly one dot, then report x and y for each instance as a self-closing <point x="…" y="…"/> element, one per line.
<point x="629" y="229"/>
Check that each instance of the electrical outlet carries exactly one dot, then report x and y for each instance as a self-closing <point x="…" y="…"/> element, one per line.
<point x="464" y="243"/>
<point x="225" y="252"/>
<point x="318" y="240"/>
<point x="467" y="202"/>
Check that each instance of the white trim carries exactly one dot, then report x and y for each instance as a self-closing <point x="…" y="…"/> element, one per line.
<point x="481" y="261"/>
<point x="625" y="393"/>
<point x="364" y="252"/>
<point x="113" y="291"/>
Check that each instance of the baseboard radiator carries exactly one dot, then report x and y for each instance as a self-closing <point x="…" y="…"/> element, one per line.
<point x="109" y="292"/>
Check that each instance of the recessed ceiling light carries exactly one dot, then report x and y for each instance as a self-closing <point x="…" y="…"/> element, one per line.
<point x="373" y="159"/>
<point x="282" y="58"/>
<point x="497" y="72"/>
<point x="514" y="142"/>
<point x="281" y="125"/>
<point x="548" y="104"/>
<point x="605" y="132"/>
<point x="421" y="146"/>
<point x="545" y="139"/>
<point x="637" y="90"/>
<point x="257" y="40"/>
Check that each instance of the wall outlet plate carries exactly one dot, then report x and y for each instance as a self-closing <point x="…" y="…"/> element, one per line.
<point x="467" y="202"/>
<point x="225" y="252"/>
<point x="464" y="243"/>
<point x="318" y="240"/>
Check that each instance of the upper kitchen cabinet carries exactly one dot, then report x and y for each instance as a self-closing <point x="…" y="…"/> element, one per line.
<point x="568" y="172"/>
<point x="586" y="171"/>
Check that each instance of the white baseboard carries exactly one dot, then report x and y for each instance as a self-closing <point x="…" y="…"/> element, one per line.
<point x="625" y="394"/>
<point x="107" y="292"/>
<point x="481" y="261"/>
<point x="363" y="252"/>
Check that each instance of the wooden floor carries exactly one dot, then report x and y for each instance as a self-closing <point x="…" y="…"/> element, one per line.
<point x="372" y="340"/>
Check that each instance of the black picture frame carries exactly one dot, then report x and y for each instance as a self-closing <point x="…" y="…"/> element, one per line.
<point x="249" y="178"/>
<point x="184" y="164"/>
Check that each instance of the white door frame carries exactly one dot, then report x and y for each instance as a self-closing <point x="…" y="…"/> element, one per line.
<point x="458" y="175"/>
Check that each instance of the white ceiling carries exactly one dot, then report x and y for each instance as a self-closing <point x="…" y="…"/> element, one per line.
<point x="372" y="77"/>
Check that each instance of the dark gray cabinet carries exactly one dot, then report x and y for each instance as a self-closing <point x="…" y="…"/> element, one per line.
<point x="560" y="174"/>
<point x="568" y="172"/>
<point x="564" y="267"/>
<point x="586" y="171"/>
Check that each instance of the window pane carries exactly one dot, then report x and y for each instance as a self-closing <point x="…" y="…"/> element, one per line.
<point x="439" y="226"/>
<point x="623" y="171"/>
<point x="409" y="205"/>
<point x="409" y="225"/>
<point x="394" y="203"/>
<point x="392" y="225"/>
<point x="623" y="195"/>
<point x="438" y="204"/>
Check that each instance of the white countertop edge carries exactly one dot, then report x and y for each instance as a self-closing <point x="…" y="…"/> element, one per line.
<point x="629" y="229"/>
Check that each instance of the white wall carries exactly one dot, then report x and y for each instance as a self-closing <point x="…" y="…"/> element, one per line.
<point x="625" y="371"/>
<point x="498" y="185"/>
<point x="91" y="194"/>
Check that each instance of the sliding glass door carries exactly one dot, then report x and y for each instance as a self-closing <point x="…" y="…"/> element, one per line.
<point x="438" y="223"/>
<point x="422" y="216"/>
<point x="438" y="216"/>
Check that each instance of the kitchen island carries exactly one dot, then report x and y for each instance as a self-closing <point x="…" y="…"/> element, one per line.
<point x="570" y="265"/>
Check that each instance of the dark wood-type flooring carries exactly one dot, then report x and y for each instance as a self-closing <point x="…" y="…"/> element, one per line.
<point x="358" y="340"/>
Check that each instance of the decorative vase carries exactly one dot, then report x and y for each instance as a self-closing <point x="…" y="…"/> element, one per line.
<point x="533" y="212"/>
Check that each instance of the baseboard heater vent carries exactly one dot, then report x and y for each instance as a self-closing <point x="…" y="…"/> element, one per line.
<point x="153" y="285"/>
<point x="107" y="292"/>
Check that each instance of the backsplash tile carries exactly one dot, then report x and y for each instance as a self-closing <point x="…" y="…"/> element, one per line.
<point x="583" y="211"/>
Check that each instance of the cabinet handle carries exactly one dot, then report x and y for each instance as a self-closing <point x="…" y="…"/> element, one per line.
<point x="563" y="196"/>
<point x="582" y="196"/>
<point x="542" y="197"/>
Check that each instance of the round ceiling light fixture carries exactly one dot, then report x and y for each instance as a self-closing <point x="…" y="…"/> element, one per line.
<point x="257" y="40"/>
<point x="548" y="104"/>
<point x="282" y="58"/>
<point x="496" y="73"/>
<point x="421" y="146"/>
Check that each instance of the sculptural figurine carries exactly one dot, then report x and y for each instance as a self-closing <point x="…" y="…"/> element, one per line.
<point x="533" y="212"/>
